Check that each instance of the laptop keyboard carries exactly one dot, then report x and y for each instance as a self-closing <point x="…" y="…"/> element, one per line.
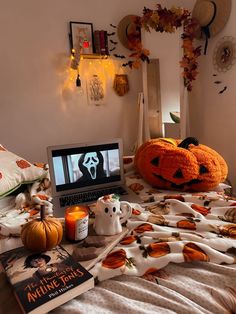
<point x="90" y="196"/>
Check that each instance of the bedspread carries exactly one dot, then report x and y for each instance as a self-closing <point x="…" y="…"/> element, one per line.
<point x="178" y="228"/>
<point x="178" y="257"/>
<point x="194" y="288"/>
<point x="172" y="227"/>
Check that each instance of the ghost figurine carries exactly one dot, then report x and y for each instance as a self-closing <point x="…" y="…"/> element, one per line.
<point x="110" y="213"/>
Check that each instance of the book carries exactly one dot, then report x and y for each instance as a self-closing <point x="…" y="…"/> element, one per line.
<point x="106" y="43"/>
<point x="42" y="282"/>
<point x="103" y="40"/>
<point x="93" y="248"/>
<point x="97" y="46"/>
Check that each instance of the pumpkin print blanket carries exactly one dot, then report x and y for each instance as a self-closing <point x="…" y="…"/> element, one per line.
<point x="168" y="226"/>
<point x="178" y="257"/>
<point x="176" y="229"/>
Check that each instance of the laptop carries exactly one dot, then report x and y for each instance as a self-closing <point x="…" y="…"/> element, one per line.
<point x="81" y="173"/>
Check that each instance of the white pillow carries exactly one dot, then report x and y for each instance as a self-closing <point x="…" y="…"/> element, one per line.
<point x="15" y="170"/>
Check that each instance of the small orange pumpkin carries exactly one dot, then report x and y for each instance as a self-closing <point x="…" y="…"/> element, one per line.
<point x="42" y="234"/>
<point x="180" y="165"/>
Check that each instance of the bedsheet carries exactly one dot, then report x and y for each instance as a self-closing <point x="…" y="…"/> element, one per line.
<point x="178" y="228"/>
<point x="170" y="226"/>
<point x="184" y="288"/>
<point x="178" y="288"/>
<point x="179" y="257"/>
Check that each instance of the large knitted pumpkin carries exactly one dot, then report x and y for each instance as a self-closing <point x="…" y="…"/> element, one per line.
<point x="183" y="165"/>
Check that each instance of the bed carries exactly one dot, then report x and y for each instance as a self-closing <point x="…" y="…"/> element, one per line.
<point x="179" y="255"/>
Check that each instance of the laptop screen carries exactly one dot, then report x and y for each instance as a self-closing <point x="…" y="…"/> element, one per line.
<point x="76" y="168"/>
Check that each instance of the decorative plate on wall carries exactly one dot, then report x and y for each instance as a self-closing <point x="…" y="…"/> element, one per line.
<point x="224" y="55"/>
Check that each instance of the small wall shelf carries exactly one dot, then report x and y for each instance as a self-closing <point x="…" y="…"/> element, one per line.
<point x="93" y="56"/>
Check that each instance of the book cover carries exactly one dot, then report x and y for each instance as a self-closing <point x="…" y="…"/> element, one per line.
<point x="42" y="282"/>
<point x="94" y="248"/>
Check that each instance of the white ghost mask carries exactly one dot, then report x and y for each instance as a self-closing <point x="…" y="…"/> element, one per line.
<point x="91" y="162"/>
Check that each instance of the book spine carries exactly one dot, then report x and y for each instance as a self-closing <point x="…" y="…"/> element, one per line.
<point x="102" y="42"/>
<point x="106" y="43"/>
<point x="97" y="42"/>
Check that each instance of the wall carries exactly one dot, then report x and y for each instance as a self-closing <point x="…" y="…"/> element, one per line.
<point x="36" y="108"/>
<point x="212" y="115"/>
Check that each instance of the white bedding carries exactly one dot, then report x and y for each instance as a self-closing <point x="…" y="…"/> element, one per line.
<point x="194" y="287"/>
<point x="184" y="288"/>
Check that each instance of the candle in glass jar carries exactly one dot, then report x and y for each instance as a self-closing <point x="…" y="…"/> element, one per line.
<point x="76" y="222"/>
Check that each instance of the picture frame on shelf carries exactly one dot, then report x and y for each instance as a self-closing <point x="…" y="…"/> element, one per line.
<point x="81" y="37"/>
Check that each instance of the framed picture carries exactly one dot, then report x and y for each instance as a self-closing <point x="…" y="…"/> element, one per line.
<point x="81" y="37"/>
<point x="95" y="90"/>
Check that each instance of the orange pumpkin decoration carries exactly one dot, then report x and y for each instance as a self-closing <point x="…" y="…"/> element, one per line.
<point x="192" y="252"/>
<point x="115" y="259"/>
<point x="228" y="230"/>
<point x="136" y="212"/>
<point x="128" y="240"/>
<point x="158" y="249"/>
<point x="136" y="187"/>
<point x="42" y="234"/>
<point x="174" y="197"/>
<point x="201" y="209"/>
<point x="186" y="224"/>
<point x="180" y="165"/>
<point x="22" y="164"/>
<point x="143" y="227"/>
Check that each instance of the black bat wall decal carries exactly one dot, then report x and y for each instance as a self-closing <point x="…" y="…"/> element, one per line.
<point x="223" y="90"/>
<point x="119" y="56"/>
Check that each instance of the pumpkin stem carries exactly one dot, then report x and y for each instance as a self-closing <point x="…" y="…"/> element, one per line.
<point x="189" y="140"/>
<point x="42" y="212"/>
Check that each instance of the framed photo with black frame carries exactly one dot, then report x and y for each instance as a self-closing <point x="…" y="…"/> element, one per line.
<point x="81" y="37"/>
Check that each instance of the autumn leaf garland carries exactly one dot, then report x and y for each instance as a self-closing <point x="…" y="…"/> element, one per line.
<point x="168" y="20"/>
<point x="189" y="61"/>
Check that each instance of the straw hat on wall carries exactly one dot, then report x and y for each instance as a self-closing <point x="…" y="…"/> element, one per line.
<point x="128" y="32"/>
<point x="212" y="15"/>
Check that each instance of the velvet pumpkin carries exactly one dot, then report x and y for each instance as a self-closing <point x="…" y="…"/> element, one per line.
<point x="180" y="165"/>
<point x="42" y="234"/>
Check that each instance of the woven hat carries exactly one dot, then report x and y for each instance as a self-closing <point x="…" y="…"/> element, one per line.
<point x="211" y="15"/>
<point x="129" y="33"/>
